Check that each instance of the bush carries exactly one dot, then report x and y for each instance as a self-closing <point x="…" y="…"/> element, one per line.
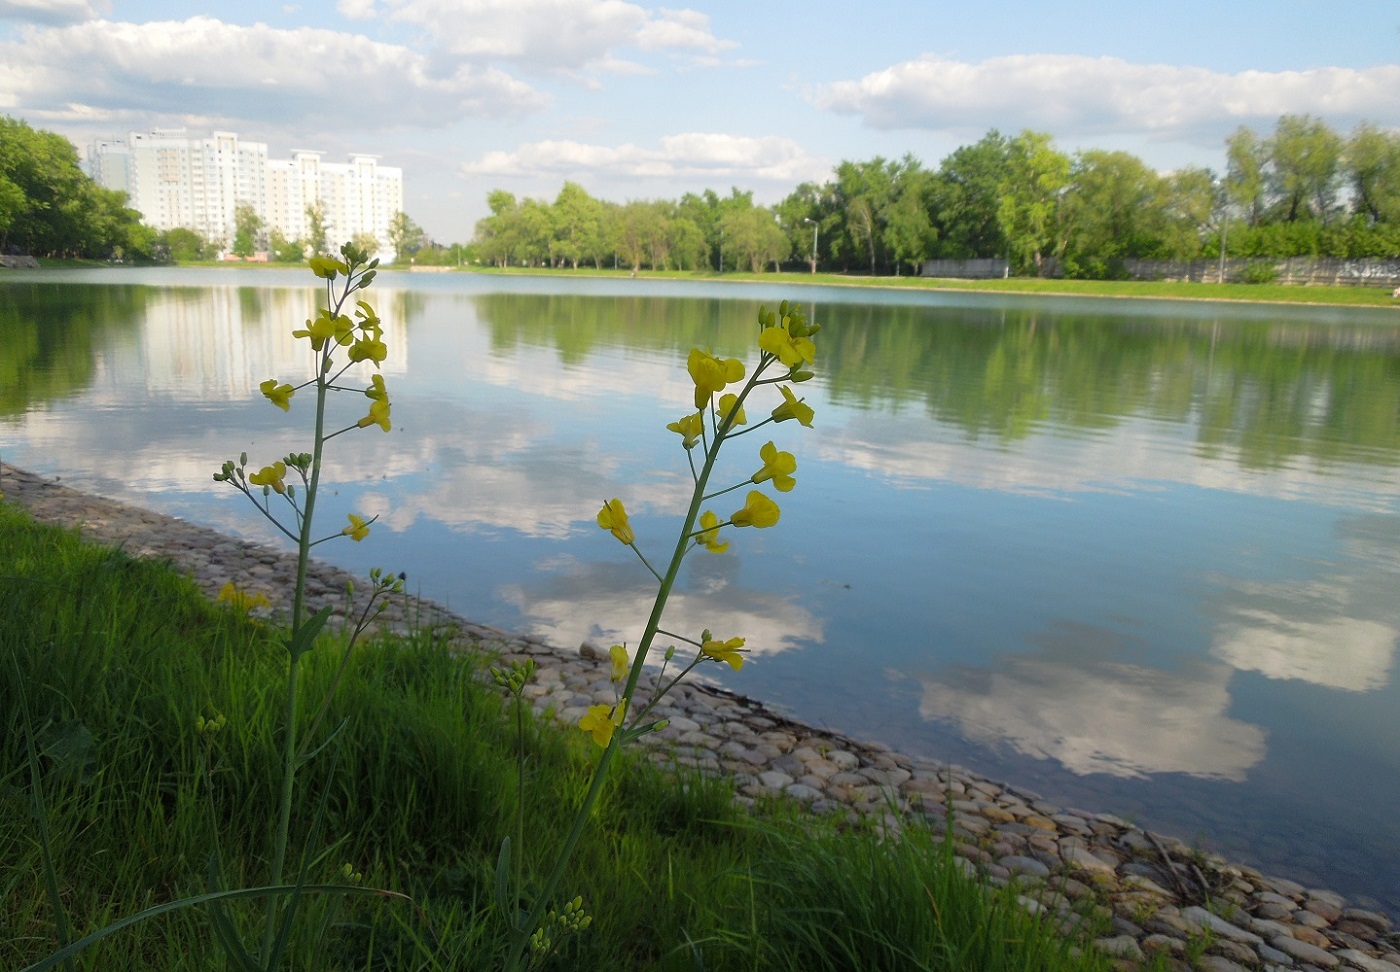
<point x="1261" y="272"/>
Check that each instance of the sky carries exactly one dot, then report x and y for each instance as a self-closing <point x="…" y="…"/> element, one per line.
<point x="641" y="101"/>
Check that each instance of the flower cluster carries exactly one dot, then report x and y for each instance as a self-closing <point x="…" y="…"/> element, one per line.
<point x="361" y="336"/>
<point x="240" y="600"/>
<point x="722" y="389"/>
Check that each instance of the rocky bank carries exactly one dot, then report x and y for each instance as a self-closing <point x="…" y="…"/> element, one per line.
<point x="1124" y="891"/>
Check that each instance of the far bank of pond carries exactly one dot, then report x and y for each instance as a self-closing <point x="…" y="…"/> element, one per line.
<point x="1142" y="290"/>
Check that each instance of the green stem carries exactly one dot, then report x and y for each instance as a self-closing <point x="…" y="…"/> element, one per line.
<point x="289" y="749"/>
<point x="519" y="855"/>
<point x="730" y="489"/>
<point x="520" y="937"/>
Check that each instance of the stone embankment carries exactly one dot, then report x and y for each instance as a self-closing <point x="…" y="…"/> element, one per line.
<point x="1131" y="894"/>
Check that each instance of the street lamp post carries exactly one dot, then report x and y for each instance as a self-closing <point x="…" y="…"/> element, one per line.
<point x="816" y="231"/>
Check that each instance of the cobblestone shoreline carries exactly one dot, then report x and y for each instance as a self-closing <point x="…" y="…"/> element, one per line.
<point x="1152" y="894"/>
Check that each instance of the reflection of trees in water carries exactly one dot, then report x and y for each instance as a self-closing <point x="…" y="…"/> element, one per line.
<point x="578" y="325"/>
<point x="49" y="334"/>
<point x="1268" y="392"/>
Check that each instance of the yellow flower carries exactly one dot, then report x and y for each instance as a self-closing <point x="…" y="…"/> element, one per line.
<point x="368" y="347"/>
<point x="601" y="720"/>
<point x="777" y="466"/>
<point x="241" y="600"/>
<point x="620" y="662"/>
<point x="271" y="476"/>
<point x="725" y="651"/>
<point x="378" y="406"/>
<point x="327" y="267"/>
<point x="730" y="403"/>
<point x="358" y="528"/>
<point x="791" y="351"/>
<point x="690" y="428"/>
<point x="344" y="330"/>
<point x="368" y="318"/>
<point x="613" y="516"/>
<point x="759" y="512"/>
<point x="279" y="395"/>
<point x="708" y="537"/>
<point x="792" y="408"/>
<point x="319" y="329"/>
<point x="711" y="374"/>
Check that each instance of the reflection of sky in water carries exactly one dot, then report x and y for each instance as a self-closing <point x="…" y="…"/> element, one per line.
<point x="1109" y="601"/>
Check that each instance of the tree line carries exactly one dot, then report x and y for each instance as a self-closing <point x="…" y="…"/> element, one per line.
<point x="1303" y="190"/>
<point x="49" y="206"/>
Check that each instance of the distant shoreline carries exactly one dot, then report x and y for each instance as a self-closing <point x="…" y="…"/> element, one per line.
<point x="1340" y="297"/>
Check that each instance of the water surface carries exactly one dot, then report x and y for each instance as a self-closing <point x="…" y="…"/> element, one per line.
<point x="1137" y="556"/>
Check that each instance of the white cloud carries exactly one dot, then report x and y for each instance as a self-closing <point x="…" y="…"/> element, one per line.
<point x="557" y="36"/>
<point x="1072" y="95"/>
<point x="690" y="155"/>
<point x="172" y="70"/>
<point x="356" y="9"/>
<point x="53" y="11"/>
<point x="687" y="29"/>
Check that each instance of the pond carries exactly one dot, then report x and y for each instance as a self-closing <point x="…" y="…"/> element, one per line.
<point x="1137" y="556"/>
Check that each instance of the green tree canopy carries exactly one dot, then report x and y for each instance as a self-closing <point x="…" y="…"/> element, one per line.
<point x="1030" y="195"/>
<point x="247" y="233"/>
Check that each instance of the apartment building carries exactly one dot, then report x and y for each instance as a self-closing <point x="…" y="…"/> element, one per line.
<point x="175" y="180"/>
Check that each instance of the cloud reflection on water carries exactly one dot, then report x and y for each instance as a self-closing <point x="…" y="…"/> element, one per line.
<point x="1076" y="703"/>
<point x="607" y="603"/>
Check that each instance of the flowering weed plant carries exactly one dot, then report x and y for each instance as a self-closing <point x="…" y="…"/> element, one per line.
<point x="338" y="342"/>
<point x="723" y="389"/>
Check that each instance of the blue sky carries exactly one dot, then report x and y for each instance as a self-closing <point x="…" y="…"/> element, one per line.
<point x="636" y="100"/>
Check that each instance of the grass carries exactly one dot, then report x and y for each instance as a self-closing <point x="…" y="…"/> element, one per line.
<point x="106" y="663"/>
<point x="1156" y="290"/>
<point x="1142" y="289"/>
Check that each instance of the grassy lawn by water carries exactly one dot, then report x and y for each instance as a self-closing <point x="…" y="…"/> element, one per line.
<point x="1153" y="290"/>
<point x="1157" y="290"/>
<point x="106" y="663"/>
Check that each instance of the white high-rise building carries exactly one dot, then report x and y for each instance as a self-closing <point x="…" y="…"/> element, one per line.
<point x="174" y="180"/>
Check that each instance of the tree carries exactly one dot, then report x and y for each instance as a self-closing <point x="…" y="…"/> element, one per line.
<point x="494" y="236"/>
<point x="628" y="232"/>
<point x="808" y="217"/>
<point x="535" y="232"/>
<point x="282" y="250"/>
<point x="316" y="229"/>
<point x="1372" y="165"/>
<point x="754" y="235"/>
<point x="578" y="224"/>
<point x="406" y="237"/>
<point x="49" y="206"/>
<point x="966" y="197"/>
<point x="13" y="204"/>
<point x="1305" y="164"/>
<point x="185" y="245"/>
<point x="1030" y="195"/>
<point x="248" y="227"/>
<point x="1111" y="209"/>
<point x="864" y="191"/>
<point x="687" y="243"/>
<point x="1246" y="156"/>
<point x="1194" y="203"/>
<point x="909" y="233"/>
<point x="368" y="242"/>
